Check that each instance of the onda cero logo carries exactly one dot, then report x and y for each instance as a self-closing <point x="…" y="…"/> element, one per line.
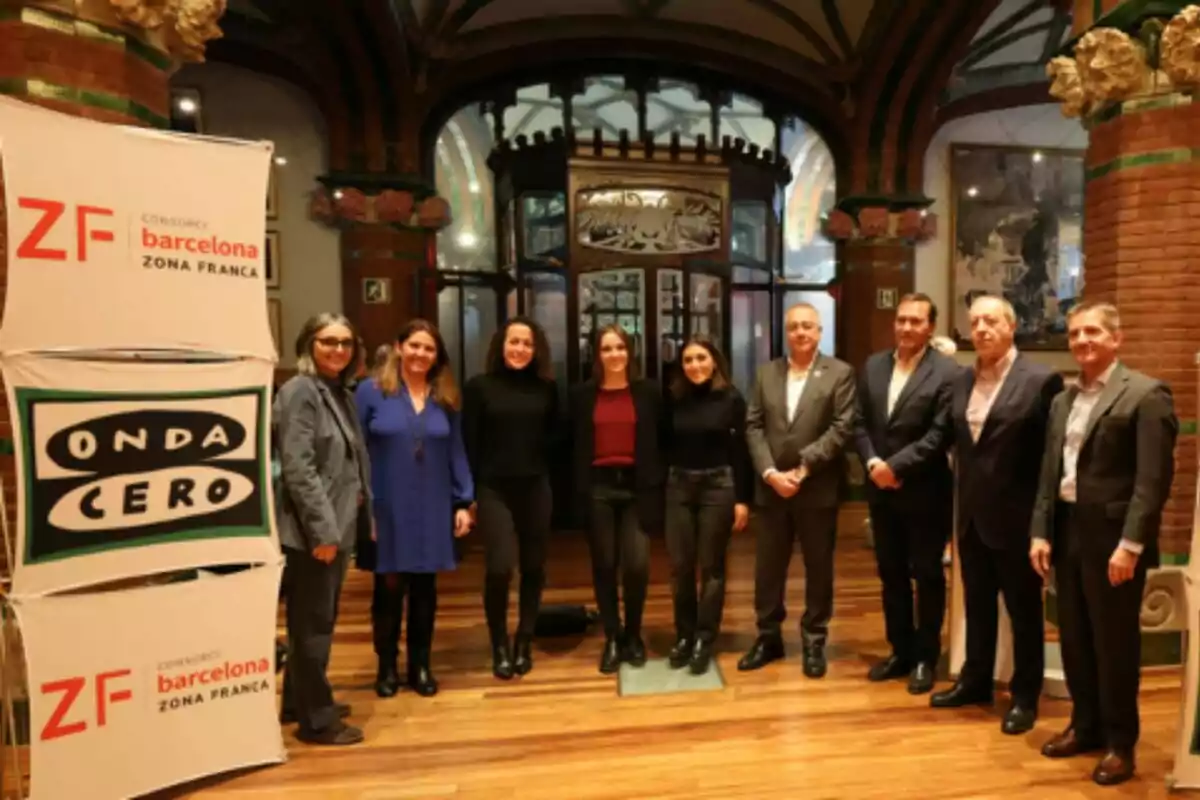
<point x="108" y="470"/>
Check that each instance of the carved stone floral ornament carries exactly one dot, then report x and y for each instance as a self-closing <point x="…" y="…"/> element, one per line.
<point x="1110" y="65"/>
<point x="879" y="222"/>
<point x="390" y="206"/>
<point x="189" y="25"/>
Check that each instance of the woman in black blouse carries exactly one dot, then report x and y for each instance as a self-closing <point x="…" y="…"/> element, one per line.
<point x="709" y="487"/>
<point x="509" y="416"/>
<point x="618" y="476"/>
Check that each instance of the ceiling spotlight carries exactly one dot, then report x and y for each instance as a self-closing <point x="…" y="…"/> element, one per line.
<point x="337" y="194"/>
<point x="1037" y="156"/>
<point x="187" y="105"/>
<point x="473" y="187"/>
<point x="972" y="192"/>
<point x="467" y="240"/>
<point x="280" y="161"/>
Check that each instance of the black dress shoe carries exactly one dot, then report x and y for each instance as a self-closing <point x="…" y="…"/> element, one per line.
<point x="1116" y="767"/>
<point x="764" y="650"/>
<point x="421" y="680"/>
<point x="335" y="734"/>
<point x="961" y="694"/>
<point x="815" y="665"/>
<point x="1070" y="743"/>
<point x="387" y="679"/>
<point x="523" y="661"/>
<point x="502" y="662"/>
<point x="287" y="716"/>
<point x="701" y="658"/>
<point x="610" y="657"/>
<point x="890" y="668"/>
<point x="1018" y="720"/>
<point x="635" y="650"/>
<point x="681" y="654"/>
<point x="921" y="679"/>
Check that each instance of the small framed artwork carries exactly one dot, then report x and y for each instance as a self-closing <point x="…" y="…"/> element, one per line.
<point x="273" y="192"/>
<point x="377" y="291"/>
<point x="272" y="253"/>
<point x="275" y="321"/>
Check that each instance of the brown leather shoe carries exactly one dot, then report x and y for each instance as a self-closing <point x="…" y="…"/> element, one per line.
<point x="1069" y="744"/>
<point x="1116" y="767"/>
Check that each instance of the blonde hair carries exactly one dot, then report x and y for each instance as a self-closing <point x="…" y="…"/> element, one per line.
<point x="443" y="387"/>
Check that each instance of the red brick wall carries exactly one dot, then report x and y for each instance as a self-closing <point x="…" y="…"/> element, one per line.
<point x="1143" y="253"/>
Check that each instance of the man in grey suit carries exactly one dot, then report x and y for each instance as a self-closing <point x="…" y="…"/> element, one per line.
<point x="1106" y="475"/>
<point x="799" y="421"/>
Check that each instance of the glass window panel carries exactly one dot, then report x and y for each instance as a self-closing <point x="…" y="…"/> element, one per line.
<point x="676" y="106"/>
<point x="671" y="334"/>
<point x="535" y="110"/>
<point x="611" y="297"/>
<point x="706" y="292"/>
<point x="807" y="255"/>
<point x="749" y="250"/>
<point x="546" y="304"/>
<point x="750" y="339"/>
<point x="463" y="178"/>
<point x="826" y="307"/>
<point x="545" y="234"/>
<point x="605" y="104"/>
<point x="479" y="325"/>
<point x="449" y="313"/>
<point x="743" y="119"/>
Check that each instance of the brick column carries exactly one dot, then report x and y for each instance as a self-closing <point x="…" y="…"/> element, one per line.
<point x="878" y="237"/>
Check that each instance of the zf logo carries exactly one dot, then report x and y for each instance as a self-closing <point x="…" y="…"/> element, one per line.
<point x="72" y="689"/>
<point x="52" y="211"/>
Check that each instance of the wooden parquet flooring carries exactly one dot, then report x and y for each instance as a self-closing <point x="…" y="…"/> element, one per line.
<point x="562" y="733"/>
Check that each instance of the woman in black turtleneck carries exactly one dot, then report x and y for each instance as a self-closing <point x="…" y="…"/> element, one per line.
<point x="709" y="487"/>
<point x="510" y="414"/>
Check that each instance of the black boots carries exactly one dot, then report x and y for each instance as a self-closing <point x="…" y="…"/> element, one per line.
<point x="523" y="647"/>
<point x="502" y="660"/>
<point x="420" y="679"/>
<point x="387" y="679"/>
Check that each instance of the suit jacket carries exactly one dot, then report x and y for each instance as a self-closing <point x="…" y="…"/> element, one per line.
<point x="816" y="438"/>
<point x="914" y="438"/>
<point x="998" y="475"/>
<point x="1125" y="467"/>
<point x="649" y="465"/>
<point x="325" y="467"/>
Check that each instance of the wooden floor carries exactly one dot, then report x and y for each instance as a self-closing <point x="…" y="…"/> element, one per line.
<point x="562" y="733"/>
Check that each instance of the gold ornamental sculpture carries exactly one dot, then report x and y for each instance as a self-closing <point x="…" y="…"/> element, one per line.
<point x="187" y="25"/>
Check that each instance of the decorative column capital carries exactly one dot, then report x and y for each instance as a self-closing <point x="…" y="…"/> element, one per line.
<point x="399" y="200"/>
<point x="881" y="219"/>
<point x="1137" y="51"/>
<point x="185" y="26"/>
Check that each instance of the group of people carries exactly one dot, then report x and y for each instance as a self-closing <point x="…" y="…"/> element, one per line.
<point x="1076" y="479"/>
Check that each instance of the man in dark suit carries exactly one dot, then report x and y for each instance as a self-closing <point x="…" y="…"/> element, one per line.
<point x="1000" y="410"/>
<point x="902" y="435"/>
<point x="1106" y="475"/>
<point x="799" y="420"/>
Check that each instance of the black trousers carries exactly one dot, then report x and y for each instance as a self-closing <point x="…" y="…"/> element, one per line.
<point x="1100" y="635"/>
<point x="387" y="610"/>
<point x="908" y="550"/>
<point x="783" y="522"/>
<point x="618" y="543"/>
<point x="986" y="572"/>
<point x="699" y="523"/>
<point x="313" y="591"/>
<point x="514" y="518"/>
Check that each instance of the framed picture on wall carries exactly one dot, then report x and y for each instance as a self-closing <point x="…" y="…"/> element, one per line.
<point x="273" y="192"/>
<point x="1017" y="219"/>
<point x="272" y="253"/>
<point x="275" y="320"/>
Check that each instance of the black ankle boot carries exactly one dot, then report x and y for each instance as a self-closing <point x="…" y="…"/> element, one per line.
<point x="502" y="661"/>
<point x="681" y="653"/>
<point x="610" y="658"/>
<point x="387" y="679"/>
<point x="634" y="650"/>
<point x="420" y="679"/>
<point x="523" y="645"/>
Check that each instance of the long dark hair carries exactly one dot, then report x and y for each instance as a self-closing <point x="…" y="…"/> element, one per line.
<point x="306" y="365"/>
<point x="443" y="387"/>
<point x="680" y="385"/>
<point x="541" y="365"/>
<point x="631" y="366"/>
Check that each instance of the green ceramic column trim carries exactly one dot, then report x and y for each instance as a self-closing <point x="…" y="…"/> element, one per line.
<point x="69" y="26"/>
<point x="6" y="447"/>
<point x="1187" y="427"/>
<point x="397" y="255"/>
<point x="35" y="88"/>
<point x="1174" y="559"/>
<point x="1175" y="155"/>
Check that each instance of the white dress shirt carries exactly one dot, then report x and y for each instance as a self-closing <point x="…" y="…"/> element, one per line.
<point x="902" y="370"/>
<point x="988" y="382"/>
<point x="797" y="379"/>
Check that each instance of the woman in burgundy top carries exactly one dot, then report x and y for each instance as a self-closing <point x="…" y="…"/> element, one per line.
<point x="615" y="420"/>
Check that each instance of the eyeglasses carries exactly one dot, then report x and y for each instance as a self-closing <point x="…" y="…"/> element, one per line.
<point x="331" y="343"/>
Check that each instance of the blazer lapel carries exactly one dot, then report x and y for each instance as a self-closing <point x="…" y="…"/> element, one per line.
<point x="918" y="376"/>
<point x="1112" y="390"/>
<point x="334" y="406"/>
<point x="816" y="376"/>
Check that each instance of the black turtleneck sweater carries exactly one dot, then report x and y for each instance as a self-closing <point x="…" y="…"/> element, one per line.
<point x="509" y="419"/>
<point x="708" y="430"/>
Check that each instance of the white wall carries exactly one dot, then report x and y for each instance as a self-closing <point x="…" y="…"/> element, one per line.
<point x="243" y="104"/>
<point x="1028" y="126"/>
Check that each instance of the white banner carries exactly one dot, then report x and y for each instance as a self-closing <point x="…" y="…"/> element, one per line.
<point x="133" y="468"/>
<point x="136" y="690"/>
<point x="128" y="238"/>
<point x="1186" y="774"/>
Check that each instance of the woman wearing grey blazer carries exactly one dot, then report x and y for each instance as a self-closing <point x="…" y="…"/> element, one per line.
<point x="325" y="486"/>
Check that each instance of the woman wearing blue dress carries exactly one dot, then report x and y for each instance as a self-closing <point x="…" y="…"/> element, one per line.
<point x="422" y="490"/>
